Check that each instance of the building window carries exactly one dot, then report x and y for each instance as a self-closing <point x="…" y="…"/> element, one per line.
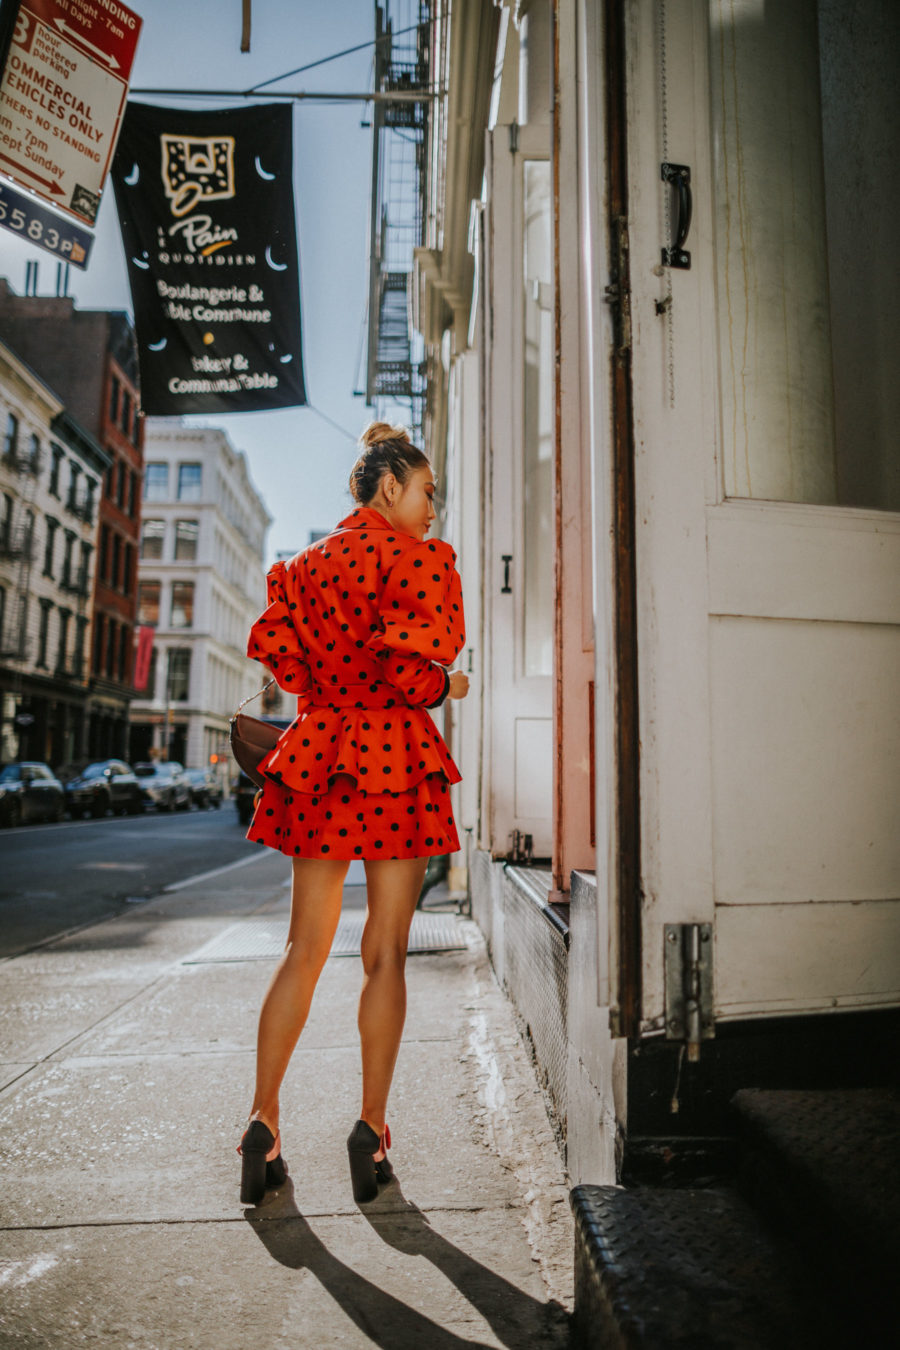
<point x="111" y="634"/>
<point x="190" y="482"/>
<point x="124" y="637"/>
<point x="23" y="625"/>
<point x="103" y="560"/>
<point x="52" y="527"/>
<point x="74" y="475"/>
<point x="34" y="457"/>
<point x="128" y="579"/>
<point x="125" y="423"/>
<point x="152" y="535"/>
<point x="62" y="654"/>
<point x="99" y="628"/>
<point x="186" y="534"/>
<point x="81" y="623"/>
<point x="178" y="678"/>
<point x="132" y="492"/>
<point x="66" y="578"/>
<point x="136" y="427"/>
<point x="11" y="443"/>
<point x="43" y="626"/>
<point x="6" y="523"/>
<point x="56" y="460"/>
<point x="182" y="604"/>
<point x="148" y="602"/>
<point x="84" y="567"/>
<point x="156" y="482"/>
<point x="28" y="535"/>
<point x="120" y="486"/>
<point x="114" y="399"/>
<point x="87" y="508"/>
<point x="116" y="563"/>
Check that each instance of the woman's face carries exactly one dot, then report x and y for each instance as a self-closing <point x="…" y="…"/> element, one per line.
<point x="410" y="506"/>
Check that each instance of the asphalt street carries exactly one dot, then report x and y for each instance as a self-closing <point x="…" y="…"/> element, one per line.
<point x="55" y="878"/>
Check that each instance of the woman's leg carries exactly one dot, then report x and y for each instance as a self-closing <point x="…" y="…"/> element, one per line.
<point x="316" y="892"/>
<point x="393" y="889"/>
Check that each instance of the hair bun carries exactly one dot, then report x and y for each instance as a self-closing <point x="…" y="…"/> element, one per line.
<point x="376" y="432"/>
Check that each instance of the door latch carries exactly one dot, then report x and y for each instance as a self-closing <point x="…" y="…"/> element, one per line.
<point x="506" y="559"/>
<point x="689" y="985"/>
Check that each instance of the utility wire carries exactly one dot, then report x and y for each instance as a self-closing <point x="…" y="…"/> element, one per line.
<point x="323" y="60"/>
<point x="331" y="422"/>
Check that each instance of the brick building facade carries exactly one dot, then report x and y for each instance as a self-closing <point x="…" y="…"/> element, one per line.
<point x="89" y="358"/>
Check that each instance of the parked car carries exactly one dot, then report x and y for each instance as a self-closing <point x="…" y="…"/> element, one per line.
<point x="30" y="791"/>
<point x="104" y="785"/>
<point x="245" y="791"/>
<point x="206" y="790"/>
<point x="163" y="785"/>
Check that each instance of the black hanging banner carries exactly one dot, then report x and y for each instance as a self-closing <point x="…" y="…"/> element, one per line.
<point x="206" y="204"/>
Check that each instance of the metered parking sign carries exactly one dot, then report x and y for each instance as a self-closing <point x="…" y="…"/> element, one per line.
<point x="62" y="98"/>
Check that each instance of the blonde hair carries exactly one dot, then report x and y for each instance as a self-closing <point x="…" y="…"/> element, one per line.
<point x="386" y="449"/>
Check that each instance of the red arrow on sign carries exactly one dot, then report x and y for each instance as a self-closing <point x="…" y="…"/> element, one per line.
<point x="44" y="182"/>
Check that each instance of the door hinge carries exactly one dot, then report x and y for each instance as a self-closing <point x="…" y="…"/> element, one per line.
<point x="617" y="294"/>
<point x="689" y="984"/>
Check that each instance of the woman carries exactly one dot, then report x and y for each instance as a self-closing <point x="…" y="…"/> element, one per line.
<point x="361" y="627"/>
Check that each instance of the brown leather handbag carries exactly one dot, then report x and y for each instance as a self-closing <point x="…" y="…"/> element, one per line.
<point x="251" y="739"/>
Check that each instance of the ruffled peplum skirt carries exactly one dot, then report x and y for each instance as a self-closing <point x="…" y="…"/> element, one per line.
<point x="358" y="782"/>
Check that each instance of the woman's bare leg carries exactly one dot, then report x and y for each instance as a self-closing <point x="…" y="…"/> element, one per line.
<point x="316" y="892"/>
<point x="393" y="889"/>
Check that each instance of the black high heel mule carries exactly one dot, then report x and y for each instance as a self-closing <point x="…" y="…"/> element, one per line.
<point x="365" y="1173"/>
<point x="262" y="1165"/>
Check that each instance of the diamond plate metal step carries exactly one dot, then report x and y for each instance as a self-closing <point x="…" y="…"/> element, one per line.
<point x="263" y="939"/>
<point x="683" y="1270"/>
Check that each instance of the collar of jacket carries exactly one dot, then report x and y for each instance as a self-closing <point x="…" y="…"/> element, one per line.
<point x="367" y="518"/>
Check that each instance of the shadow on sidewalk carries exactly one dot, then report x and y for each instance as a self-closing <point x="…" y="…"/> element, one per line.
<point x="519" y="1321"/>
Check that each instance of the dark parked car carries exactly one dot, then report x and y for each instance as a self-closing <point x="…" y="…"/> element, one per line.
<point x="164" y="785"/>
<point x="29" y="791"/>
<point x="105" y="785"/>
<point x="206" y="790"/>
<point x="245" y="791"/>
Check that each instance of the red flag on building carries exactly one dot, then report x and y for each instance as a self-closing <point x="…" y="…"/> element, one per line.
<point x="143" y="656"/>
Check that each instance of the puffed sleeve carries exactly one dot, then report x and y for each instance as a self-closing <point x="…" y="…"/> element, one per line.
<point x="273" y="639"/>
<point x="422" y="628"/>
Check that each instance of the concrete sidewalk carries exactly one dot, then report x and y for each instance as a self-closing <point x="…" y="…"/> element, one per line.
<point x="125" y="1073"/>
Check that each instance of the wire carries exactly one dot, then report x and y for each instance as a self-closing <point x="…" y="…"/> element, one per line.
<point x="323" y="60"/>
<point x="331" y="422"/>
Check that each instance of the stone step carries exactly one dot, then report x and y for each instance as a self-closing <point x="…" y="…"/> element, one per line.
<point x="687" y="1270"/>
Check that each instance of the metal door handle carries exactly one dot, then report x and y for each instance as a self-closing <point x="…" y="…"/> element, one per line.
<point x="679" y="175"/>
<point x="506" y="589"/>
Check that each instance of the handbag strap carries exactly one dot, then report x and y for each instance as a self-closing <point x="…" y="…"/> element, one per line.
<point x="251" y="697"/>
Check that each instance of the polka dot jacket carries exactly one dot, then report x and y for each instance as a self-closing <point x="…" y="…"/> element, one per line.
<point x="360" y="626"/>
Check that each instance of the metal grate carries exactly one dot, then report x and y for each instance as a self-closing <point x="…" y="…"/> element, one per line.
<point x="264" y="939"/>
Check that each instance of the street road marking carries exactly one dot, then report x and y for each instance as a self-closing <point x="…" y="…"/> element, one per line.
<point x="216" y="872"/>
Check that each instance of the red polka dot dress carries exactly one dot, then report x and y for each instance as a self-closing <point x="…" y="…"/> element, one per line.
<point x="360" y="626"/>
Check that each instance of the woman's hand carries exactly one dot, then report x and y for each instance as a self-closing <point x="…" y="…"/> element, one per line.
<point x="459" y="684"/>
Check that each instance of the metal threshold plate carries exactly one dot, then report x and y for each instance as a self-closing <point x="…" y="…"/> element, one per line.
<point x="264" y="939"/>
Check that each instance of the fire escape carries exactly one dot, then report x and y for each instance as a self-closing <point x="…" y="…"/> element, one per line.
<point x="395" y="371"/>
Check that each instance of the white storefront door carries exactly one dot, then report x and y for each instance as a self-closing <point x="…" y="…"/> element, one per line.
<point x="518" y="538"/>
<point x="765" y="407"/>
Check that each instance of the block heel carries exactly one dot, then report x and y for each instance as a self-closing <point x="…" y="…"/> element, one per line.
<point x="261" y="1162"/>
<point x="365" y="1173"/>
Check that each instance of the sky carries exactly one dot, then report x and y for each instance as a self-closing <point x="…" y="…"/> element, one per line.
<point x="298" y="462"/>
